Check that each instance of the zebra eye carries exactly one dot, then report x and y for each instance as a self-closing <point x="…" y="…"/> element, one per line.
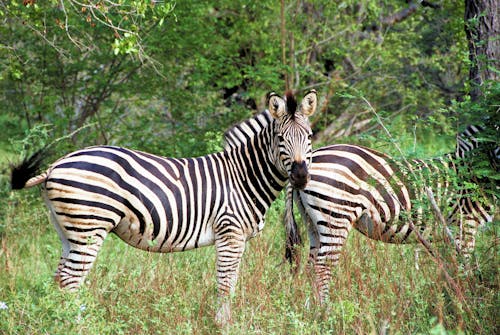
<point x="280" y="138"/>
<point x="309" y="136"/>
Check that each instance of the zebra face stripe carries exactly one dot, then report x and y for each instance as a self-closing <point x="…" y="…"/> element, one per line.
<point x="293" y="135"/>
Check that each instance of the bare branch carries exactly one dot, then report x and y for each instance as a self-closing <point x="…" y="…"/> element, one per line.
<point x="440" y="217"/>
<point x="399" y="16"/>
<point x="429" y="4"/>
<point x="78" y="44"/>
<point x="403" y="14"/>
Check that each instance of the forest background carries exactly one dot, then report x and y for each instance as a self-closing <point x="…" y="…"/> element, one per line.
<point x="169" y="78"/>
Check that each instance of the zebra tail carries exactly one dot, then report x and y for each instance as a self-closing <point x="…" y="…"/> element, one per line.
<point x="292" y="233"/>
<point x="25" y="174"/>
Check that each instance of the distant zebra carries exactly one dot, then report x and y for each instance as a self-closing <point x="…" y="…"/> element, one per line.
<point x="353" y="186"/>
<point x="168" y="204"/>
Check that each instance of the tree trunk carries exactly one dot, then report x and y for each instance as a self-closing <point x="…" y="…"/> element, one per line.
<point x="482" y="28"/>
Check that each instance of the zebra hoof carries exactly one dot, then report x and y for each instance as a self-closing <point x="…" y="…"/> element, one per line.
<point x="223" y="316"/>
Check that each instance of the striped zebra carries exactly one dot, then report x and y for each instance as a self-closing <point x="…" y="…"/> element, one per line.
<point x="167" y="204"/>
<point x="387" y="200"/>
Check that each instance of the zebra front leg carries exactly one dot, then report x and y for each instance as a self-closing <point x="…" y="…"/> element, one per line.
<point x="229" y="252"/>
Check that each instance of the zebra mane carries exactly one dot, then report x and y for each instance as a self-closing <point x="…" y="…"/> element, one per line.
<point x="291" y="103"/>
<point x="241" y="134"/>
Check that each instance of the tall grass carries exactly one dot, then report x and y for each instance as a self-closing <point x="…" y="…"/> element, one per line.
<point x="378" y="288"/>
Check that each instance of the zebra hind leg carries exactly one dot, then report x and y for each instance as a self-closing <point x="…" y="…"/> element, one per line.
<point x="73" y="270"/>
<point x="65" y="245"/>
<point x="466" y="240"/>
<point x="80" y="245"/>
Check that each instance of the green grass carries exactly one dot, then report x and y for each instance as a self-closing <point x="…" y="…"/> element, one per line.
<point x="376" y="287"/>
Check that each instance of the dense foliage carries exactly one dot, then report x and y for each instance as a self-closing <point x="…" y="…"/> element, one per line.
<point x="169" y="78"/>
<point x="166" y="76"/>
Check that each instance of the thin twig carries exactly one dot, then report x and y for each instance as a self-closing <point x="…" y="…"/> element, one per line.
<point x="78" y="44"/>
<point x="439" y="215"/>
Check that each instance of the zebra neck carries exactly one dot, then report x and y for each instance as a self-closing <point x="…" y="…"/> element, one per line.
<point x="252" y="161"/>
<point x="255" y="175"/>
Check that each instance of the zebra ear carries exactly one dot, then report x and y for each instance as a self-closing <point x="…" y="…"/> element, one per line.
<point x="276" y="105"/>
<point x="309" y="103"/>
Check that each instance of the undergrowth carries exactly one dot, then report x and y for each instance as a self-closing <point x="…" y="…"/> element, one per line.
<point x="376" y="288"/>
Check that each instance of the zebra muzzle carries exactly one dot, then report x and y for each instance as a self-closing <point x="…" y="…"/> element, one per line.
<point x="299" y="175"/>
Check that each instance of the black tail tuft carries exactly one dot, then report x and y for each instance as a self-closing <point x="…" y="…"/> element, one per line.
<point x="293" y="240"/>
<point x="27" y="169"/>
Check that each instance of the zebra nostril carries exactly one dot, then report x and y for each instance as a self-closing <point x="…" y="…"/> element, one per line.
<point x="299" y="174"/>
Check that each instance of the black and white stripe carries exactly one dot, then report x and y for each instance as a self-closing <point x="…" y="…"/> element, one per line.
<point x="167" y="204"/>
<point x="353" y="186"/>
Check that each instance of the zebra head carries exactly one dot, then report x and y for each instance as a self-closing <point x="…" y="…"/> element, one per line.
<point x="292" y="135"/>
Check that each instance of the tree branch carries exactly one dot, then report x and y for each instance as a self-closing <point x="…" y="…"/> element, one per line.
<point x="439" y="216"/>
<point x="402" y="15"/>
<point x="399" y="16"/>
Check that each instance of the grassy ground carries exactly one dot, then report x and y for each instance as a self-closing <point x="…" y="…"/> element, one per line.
<point x="376" y="289"/>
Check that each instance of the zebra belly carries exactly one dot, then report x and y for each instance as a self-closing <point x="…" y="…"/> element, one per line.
<point x="395" y="231"/>
<point x="129" y="231"/>
<point x="334" y="209"/>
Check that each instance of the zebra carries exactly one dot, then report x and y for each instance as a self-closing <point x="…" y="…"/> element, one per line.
<point x="386" y="200"/>
<point x="164" y="205"/>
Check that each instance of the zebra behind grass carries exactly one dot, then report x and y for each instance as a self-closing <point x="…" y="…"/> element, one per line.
<point x="168" y="204"/>
<point x="353" y="186"/>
